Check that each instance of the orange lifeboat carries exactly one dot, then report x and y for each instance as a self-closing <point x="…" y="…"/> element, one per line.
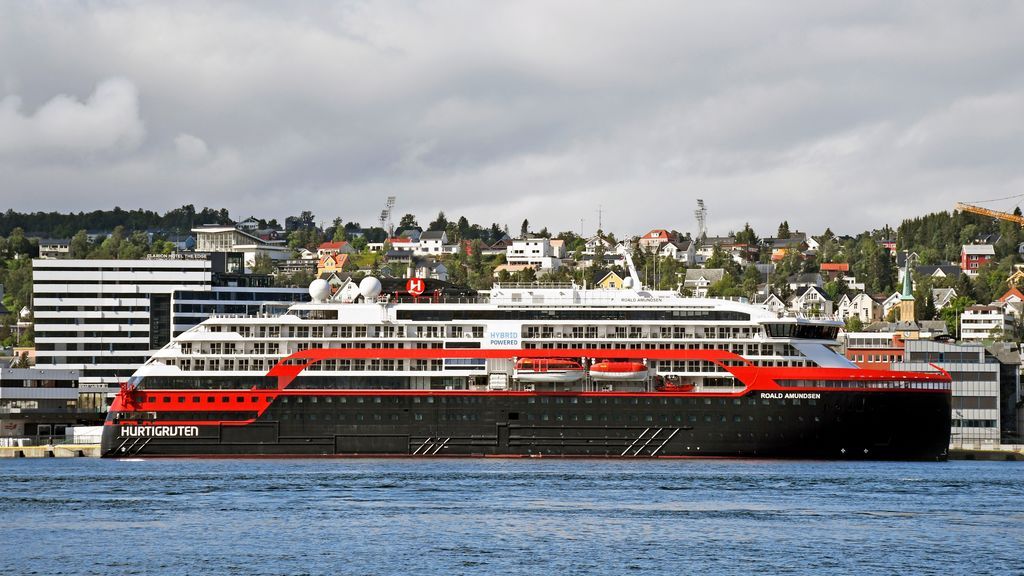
<point x="675" y="387"/>
<point x="548" y="370"/>
<point x="618" y="370"/>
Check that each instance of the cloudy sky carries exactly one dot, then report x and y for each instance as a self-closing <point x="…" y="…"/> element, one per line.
<point x="824" y="114"/>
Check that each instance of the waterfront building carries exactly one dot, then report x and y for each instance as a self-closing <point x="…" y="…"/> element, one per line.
<point x="43" y="402"/>
<point x="104" y="318"/>
<point x="976" y="385"/>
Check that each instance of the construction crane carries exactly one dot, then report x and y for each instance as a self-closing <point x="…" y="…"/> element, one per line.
<point x="991" y="213"/>
<point x="385" y="217"/>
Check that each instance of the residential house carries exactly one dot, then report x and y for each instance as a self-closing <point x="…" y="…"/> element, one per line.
<point x="811" y="300"/>
<point x="54" y="247"/>
<point x="307" y="254"/>
<point x="594" y="241"/>
<point x="296" y="266"/>
<point x="435" y="270"/>
<point x="935" y="271"/>
<point x="684" y="251"/>
<point x="404" y="244"/>
<point x="1017" y="277"/>
<point x="332" y="248"/>
<point x="975" y="256"/>
<point x="435" y="243"/>
<point x="797" y="281"/>
<point x="331" y="264"/>
<point x="654" y="239"/>
<point x="771" y="302"/>
<point x="862" y="306"/>
<point x="698" y="280"/>
<point x="889" y="303"/>
<point x="250" y="224"/>
<point x="557" y="248"/>
<point x="832" y="270"/>
<point x="942" y="297"/>
<point x="610" y="281"/>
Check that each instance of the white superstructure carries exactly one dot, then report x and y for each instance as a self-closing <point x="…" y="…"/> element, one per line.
<point x="509" y="316"/>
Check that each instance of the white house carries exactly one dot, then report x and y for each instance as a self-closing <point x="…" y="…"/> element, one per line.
<point x="533" y="251"/>
<point x="435" y="242"/>
<point x="699" y="280"/>
<point x="889" y="303"/>
<point x="862" y="306"/>
<point x="811" y="300"/>
<point x="682" y="251"/>
<point x="943" y="296"/>
<point x="595" y="241"/>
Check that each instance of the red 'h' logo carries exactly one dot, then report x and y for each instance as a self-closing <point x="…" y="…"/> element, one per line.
<point x="415" y="286"/>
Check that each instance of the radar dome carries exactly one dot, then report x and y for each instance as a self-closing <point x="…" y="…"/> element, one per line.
<point x="369" y="287"/>
<point x="319" y="290"/>
<point x="628" y="282"/>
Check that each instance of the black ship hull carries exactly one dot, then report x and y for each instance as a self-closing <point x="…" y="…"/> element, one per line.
<point x="875" y="425"/>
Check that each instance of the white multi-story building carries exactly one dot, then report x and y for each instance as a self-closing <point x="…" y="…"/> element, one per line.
<point x="976" y="382"/>
<point x="105" y="317"/>
<point x="535" y="251"/>
<point x="979" y="323"/>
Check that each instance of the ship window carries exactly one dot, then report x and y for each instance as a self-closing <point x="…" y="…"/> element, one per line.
<point x="737" y="419"/>
<point x="240" y="399"/>
<point x="418" y="416"/>
<point x="692" y="418"/>
<point x="707" y="417"/>
<point x="211" y="398"/>
<point x="181" y="399"/>
<point x="225" y="399"/>
<point x="195" y="398"/>
<point x="707" y="401"/>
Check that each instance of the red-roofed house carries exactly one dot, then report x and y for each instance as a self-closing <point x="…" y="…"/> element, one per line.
<point x="833" y="270"/>
<point x="1012" y="295"/>
<point x="655" y="238"/>
<point x="332" y="248"/>
<point x="331" y="264"/>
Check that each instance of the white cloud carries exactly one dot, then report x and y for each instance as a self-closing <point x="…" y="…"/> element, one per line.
<point x="108" y="120"/>
<point x="191" y="148"/>
<point x="823" y="114"/>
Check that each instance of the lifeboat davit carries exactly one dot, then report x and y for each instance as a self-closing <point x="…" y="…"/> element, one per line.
<point x="618" y="370"/>
<point x="548" y="370"/>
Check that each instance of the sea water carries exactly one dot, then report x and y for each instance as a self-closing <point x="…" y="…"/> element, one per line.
<point x="515" y="516"/>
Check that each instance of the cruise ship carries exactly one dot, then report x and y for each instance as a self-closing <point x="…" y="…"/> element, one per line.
<point x="522" y="370"/>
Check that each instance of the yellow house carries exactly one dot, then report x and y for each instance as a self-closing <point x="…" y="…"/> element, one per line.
<point x="611" y="281"/>
<point x="331" y="264"/>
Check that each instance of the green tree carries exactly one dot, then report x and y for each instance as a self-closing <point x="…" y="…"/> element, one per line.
<point x="725" y="288"/>
<point x="79" y="247"/>
<point x="408" y="221"/>
<point x="784" y="232"/>
<point x="441" y="223"/>
<point x="263" y="264"/>
<point x="854" y="324"/>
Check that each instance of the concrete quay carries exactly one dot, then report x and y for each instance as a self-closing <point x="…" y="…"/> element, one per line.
<point x="52" y="451"/>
